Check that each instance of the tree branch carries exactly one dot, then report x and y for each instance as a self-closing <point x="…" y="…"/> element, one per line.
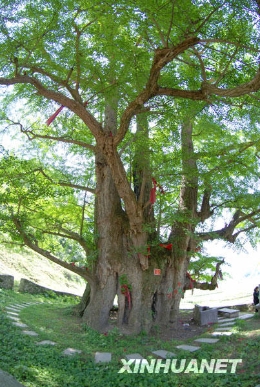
<point x="66" y="184"/>
<point x="205" y="211"/>
<point x="70" y="235"/>
<point x="32" y="135"/>
<point x="249" y="87"/>
<point x="213" y="284"/>
<point x="83" y="215"/>
<point x="170" y="25"/>
<point x="189" y="185"/>
<point x="60" y="82"/>
<point x="226" y="233"/>
<point x="28" y="242"/>
<point x="208" y="89"/>
<point x="75" y="106"/>
<point x="161" y="58"/>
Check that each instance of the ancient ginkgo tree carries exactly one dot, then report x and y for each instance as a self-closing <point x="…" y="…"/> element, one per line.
<point x="140" y="130"/>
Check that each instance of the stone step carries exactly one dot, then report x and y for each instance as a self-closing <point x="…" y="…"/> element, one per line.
<point x="224" y="329"/>
<point x="18" y="306"/>
<point x="103" y="357"/>
<point x="134" y="356"/>
<point x="30" y="333"/>
<point x="227" y="312"/>
<point x="219" y="333"/>
<point x="46" y="342"/>
<point x="163" y="354"/>
<point x="227" y="324"/>
<point x="16" y="314"/>
<point x="71" y="351"/>
<point x="190" y="348"/>
<point x="246" y="316"/>
<point x="13" y="309"/>
<point x="7" y="380"/>
<point x="207" y="340"/>
<point x="14" y="318"/>
<point x="223" y="320"/>
<point x="20" y="325"/>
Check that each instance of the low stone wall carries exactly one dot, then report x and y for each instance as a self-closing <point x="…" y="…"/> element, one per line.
<point x="6" y="281"/>
<point x="27" y="286"/>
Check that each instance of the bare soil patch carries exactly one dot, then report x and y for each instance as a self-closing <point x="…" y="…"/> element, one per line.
<point x="186" y="329"/>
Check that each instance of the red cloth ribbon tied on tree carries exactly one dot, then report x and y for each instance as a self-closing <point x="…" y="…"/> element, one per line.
<point x="153" y="191"/>
<point x="126" y="292"/>
<point x="166" y="246"/>
<point x="191" y="280"/>
<point x="52" y="118"/>
<point x="148" y="251"/>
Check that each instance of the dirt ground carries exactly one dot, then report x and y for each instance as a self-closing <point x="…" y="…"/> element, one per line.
<point x="186" y="329"/>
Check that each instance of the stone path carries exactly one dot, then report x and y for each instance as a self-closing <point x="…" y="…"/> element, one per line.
<point x="12" y="312"/>
<point x="225" y="326"/>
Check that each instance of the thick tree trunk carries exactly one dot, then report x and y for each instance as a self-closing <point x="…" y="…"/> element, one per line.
<point x="109" y="224"/>
<point x="96" y="314"/>
<point x="80" y="308"/>
<point x="124" y="266"/>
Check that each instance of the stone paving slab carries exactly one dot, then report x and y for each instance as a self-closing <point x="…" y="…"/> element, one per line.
<point x="12" y="309"/>
<point x="71" y="351"/>
<point x="245" y="316"/>
<point x="46" y="342"/>
<point x="103" y="357"/>
<point x="134" y="356"/>
<point x="7" y="380"/>
<point x="164" y="354"/>
<point x="206" y="340"/>
<point x="226" y="329"/>
<point x="190" y="348"/>
<point x="227" y="324"/>
<point x="13" y="318"/>
<point x="18" y="306"/>
<point x="229" y="312"/>
<point x="221" y="333"/>
<point x="12" y="313"/>
<point x="223" y="320"/>
<point x="20" y="325"/>
<point x="30" y="333"/>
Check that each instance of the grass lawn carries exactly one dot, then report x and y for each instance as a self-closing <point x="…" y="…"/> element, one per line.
<point x="45" y="366"/>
